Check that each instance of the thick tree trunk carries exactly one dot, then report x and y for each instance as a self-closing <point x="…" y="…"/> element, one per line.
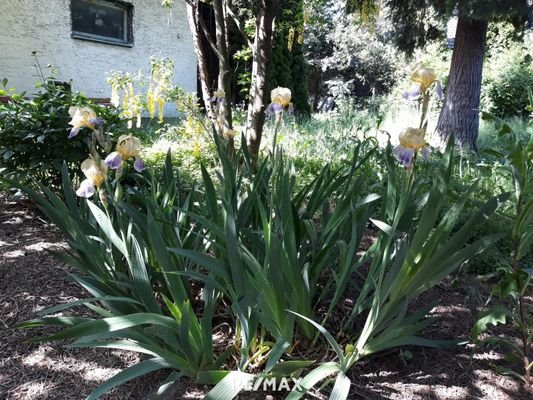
<point x="193" y="18"/>
<point x="261" y="66"/>
<point x="460" y="112"/>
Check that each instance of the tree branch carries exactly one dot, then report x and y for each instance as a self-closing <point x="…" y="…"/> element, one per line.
<point x="208" y="36"/>
<point x="238" y="24"/>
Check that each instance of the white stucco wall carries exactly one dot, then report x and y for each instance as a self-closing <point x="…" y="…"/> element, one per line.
<point x="44" y="26"/>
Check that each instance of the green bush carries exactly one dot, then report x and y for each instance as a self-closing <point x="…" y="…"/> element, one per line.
<point x="508" y="92"/>
<point x="34" y="132"/>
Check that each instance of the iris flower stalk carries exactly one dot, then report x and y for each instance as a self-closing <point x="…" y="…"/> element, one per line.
<point x="412" y="140"/>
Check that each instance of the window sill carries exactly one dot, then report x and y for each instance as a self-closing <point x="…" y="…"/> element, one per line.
<point x="102" y="40"/>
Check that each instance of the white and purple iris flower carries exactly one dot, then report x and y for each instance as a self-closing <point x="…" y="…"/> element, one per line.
<point x="95" y="172"/>
<point x="83" y="117"/>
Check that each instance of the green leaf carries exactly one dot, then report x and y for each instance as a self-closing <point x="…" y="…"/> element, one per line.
<point x="111" y="324"/>
<point x="210" y="193"/>
<point x="487" y="116"/>
<point x="331" y="340"/>
<point x="211" y="377"/>
<point x="368" y="199"/>
<point x="106" y="225"/>
<point x="169" y="381"/>
<point x="495" y="316"/>
<point x="312" y="378"/>
<point x="494" y="153"/>
<point x="230" y="386"/>
<point x="141" y="280"/>
<point x="287" y="368"/>
<point x="61" y="307"/>
<point x="174" y="283"/>
<point x="341" y="389"/>
<point x="128" y="374"/>
<point x="211" y="263"/>
<point x="276" y="353"/>
<point x="383" y="226"/>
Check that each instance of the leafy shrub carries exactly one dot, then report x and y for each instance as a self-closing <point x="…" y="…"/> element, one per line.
<point x="508" y="92"/>
<point x="352" y="62"/>
<point x="34" y="132"/>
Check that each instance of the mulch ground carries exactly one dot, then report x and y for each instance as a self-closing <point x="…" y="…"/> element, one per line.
<point x="32" y="279"/>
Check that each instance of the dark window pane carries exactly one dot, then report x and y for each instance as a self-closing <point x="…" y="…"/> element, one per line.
<point x="98" y="18"/>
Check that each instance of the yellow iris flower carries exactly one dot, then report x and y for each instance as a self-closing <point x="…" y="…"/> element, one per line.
<point x="412" y="140"/>
<point x="280" y="99"/>
<point x="425" y="77"/>
<point x="128" y="146"/>
<point x="281" y="96"/>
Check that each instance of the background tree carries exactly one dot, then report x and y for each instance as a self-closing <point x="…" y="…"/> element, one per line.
<point x="289" y="65"/>
<point x="460" y="112"/>
<point x="266" y="12"/>
<point x="351" y="54"/>
<point x="193" y="17"/>
<point x="219" y="44"/>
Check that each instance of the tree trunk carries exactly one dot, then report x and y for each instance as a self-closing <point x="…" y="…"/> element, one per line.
<point x="460" y="112"/>
<point x="224" y="74"/>
<point x="193" y="16"/>
<point x="262" y="59"/>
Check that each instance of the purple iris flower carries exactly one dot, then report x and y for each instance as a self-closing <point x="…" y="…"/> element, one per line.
<point x="412" y="93"/>
<point x="404" y="155"/>
<point x="139" y="164"/>
<point x="438" y="90"/>
<point x="273" y="109"/>
<point x="86" y="189"/>
<point x="97" y="122"/>
<point x="113" y="160"/>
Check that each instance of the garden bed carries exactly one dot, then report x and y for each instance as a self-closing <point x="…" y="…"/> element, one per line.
<point x="31" y="279"/>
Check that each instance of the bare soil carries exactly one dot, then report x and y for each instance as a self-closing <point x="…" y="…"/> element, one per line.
<point x="32" y="279"/>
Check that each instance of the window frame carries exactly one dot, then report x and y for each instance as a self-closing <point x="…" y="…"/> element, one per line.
<point x="128" y="9"/>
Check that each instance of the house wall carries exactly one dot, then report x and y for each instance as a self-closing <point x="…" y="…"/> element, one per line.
<point x="44" y="26"/>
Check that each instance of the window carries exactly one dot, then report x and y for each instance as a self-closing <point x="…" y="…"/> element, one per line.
<point x="107" y="21"/>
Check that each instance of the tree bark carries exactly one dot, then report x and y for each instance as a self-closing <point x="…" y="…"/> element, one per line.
<point x="201" y="55"/>
<point x="460" y="111"/>
<point x="224" y="74"/>
<point x="261" y="66"/>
